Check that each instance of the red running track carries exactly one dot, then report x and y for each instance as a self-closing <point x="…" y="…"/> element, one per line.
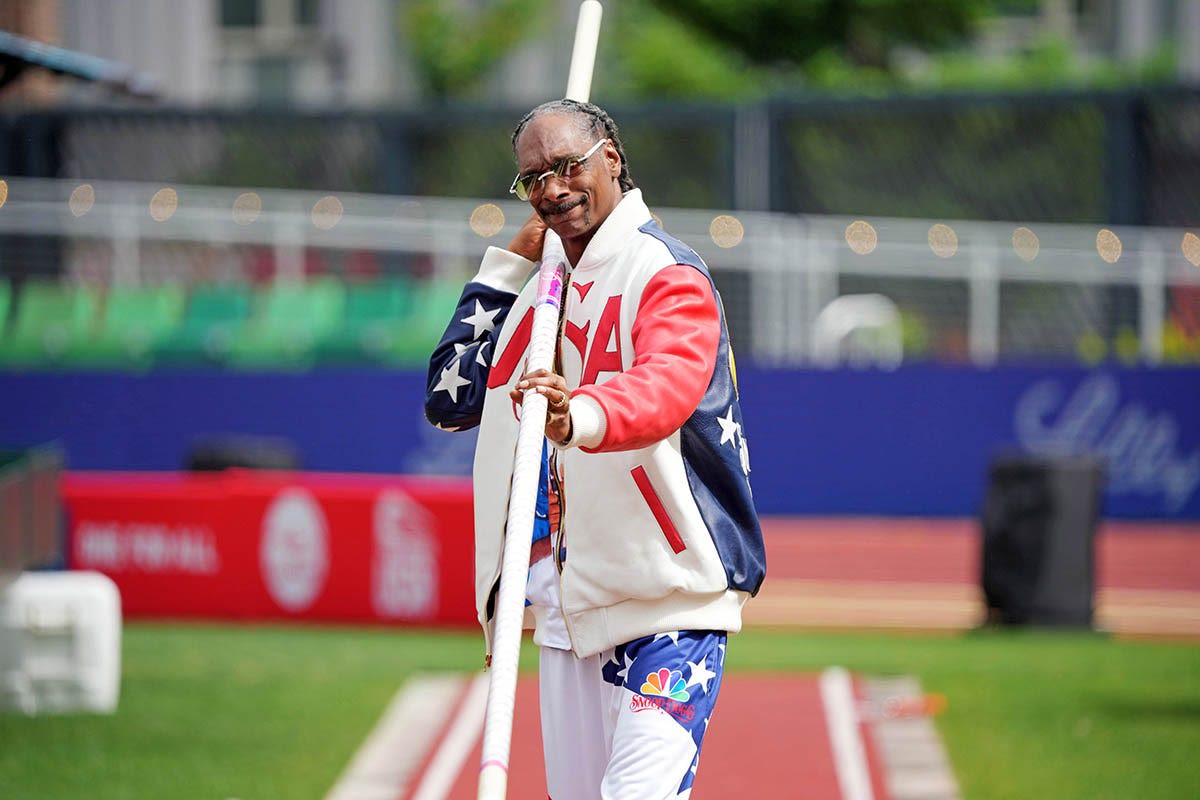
<point x="769" y="739"/>
<point x="1129" y="554"/>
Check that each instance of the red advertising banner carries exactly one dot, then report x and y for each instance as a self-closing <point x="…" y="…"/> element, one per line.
<point x="265" y="545"/>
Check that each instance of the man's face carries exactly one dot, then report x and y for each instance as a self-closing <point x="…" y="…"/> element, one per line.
<point x="572" y="206"/>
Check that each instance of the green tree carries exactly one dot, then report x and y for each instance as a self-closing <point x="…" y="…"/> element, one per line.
<point x="863" y="32"/>
<point x="453" y="50"/>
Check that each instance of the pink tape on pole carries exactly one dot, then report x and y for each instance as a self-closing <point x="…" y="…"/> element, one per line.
<point x="493" y="763"/>
<point x="550" y="286"/>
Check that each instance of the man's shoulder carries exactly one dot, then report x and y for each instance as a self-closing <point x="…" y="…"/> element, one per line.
<point x="679" y="251"/>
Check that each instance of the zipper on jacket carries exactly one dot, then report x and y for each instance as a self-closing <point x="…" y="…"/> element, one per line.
<point x="489" y="614"/>
<point x="559" y="542"/>
<point x="559" y="535"/>
<point x="555" y="475"/>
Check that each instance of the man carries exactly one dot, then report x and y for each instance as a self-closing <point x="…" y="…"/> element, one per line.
<point x="646" y="544"/>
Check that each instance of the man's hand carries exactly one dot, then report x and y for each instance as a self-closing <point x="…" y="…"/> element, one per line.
<point x="528" y="241"/>
<point x="558" y="401"/>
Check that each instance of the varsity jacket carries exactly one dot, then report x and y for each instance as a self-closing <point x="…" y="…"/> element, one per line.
<point x="658" y="529"/>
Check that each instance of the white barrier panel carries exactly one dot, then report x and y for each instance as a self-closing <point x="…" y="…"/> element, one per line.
<point x="60" y="643"/>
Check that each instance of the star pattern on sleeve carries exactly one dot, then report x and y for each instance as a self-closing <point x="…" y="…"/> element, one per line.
<point x="450" y="381"/>
<point x="729" y="428"/>
<point x="731" y="433"/>
<point x="480" y="358"/>
<point x="483" y="320"/>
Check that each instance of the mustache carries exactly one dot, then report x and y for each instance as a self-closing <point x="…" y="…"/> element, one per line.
<point x="550" y="209"/>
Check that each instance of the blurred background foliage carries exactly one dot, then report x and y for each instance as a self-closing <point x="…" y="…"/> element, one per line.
<point x="751" y="49"/>
<point x="455" y="48"/>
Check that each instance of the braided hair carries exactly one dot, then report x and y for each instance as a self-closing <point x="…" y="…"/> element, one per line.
<point x="593" y="119"/>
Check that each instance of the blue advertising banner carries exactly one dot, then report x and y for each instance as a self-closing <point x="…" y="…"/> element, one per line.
<point x="916" y="441"/>
<point x="920" y="440"/>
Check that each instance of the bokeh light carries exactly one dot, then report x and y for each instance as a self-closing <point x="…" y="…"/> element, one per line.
<point x="1026" y="243"/>
<point x="1108" y="245"/>
<point x="327" y="212"/>
<point x="3" y="192"/>
<point x="943" y="241"/>
<point x="163" y="204"/>
<point x="82" y="199"/>
<point x="487" y="220"/>
<point x="1191" y="248"/>
<point x="1127" y="346"/>
<point x="726" y="231"/>
<point x="246" y="208"/>
<point x="862" y="237"/>
<point x="1091" y="347"/>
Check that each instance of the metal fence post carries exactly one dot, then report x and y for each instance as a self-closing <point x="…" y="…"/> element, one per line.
<point x="1125" y="153"/>
<point x="289" y="251"/>
<point x="983" y="314"/>
<point x="752" y="158"/>
<point x="1151" y="306"/>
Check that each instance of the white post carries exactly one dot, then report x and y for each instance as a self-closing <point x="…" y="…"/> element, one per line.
<point x="1151" y="306"/>
<point x="126" y="247"/>
<point x="1188" y="31"/>
<point x="983" y="321"/>
<point x="289" y="250"/>
<point x="1135" y="29"/>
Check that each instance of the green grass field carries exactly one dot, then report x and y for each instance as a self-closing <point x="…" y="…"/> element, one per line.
<point x="270" y="713"/>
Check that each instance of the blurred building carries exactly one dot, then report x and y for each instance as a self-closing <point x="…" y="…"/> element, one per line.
<point x="355" y="53"/>
<point x="1125" y="30"/>
<point x="304" y="53"/>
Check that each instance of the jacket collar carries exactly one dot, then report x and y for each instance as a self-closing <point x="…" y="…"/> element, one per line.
<point x="614" y="233"/>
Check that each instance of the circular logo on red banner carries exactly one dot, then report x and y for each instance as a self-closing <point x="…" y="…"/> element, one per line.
<point x="294" y="553"/>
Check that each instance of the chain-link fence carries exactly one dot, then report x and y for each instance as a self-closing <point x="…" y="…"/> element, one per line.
<point x="949" y="291"/>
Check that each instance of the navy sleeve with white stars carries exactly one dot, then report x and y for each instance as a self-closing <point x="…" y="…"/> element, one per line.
<point x="458" y="368"/>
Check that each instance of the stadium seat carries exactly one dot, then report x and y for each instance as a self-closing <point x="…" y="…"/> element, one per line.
<point x="289" y="319"/>
<point x="215" y="315"/>
<point x="375" y="313"/>
<point x="49" y="318"/>
<point x="134" y="320"/>
<point x="433" y="303"/>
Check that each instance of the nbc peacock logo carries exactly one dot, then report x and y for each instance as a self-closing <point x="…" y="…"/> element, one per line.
<point x="666" y="683"/>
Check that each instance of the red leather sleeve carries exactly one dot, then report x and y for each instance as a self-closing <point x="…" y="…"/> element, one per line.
<point x="675" y="337"/>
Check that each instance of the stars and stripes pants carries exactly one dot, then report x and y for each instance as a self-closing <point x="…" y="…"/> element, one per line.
<point x="628" y="723"/>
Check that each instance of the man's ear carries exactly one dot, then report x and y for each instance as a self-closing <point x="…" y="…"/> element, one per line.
<point x="613" y="158"/>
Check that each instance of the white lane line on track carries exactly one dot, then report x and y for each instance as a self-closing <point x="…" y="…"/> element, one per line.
<point x="841" y="717"/>
<point x="384" y="765"/>
<point x="465" y="730"/>
<point x="914" y="760"/>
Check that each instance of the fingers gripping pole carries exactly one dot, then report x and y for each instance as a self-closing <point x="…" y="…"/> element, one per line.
<point x="510" y="603"/>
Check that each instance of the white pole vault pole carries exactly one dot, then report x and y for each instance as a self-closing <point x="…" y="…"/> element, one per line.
<point x="510" y="603"/>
